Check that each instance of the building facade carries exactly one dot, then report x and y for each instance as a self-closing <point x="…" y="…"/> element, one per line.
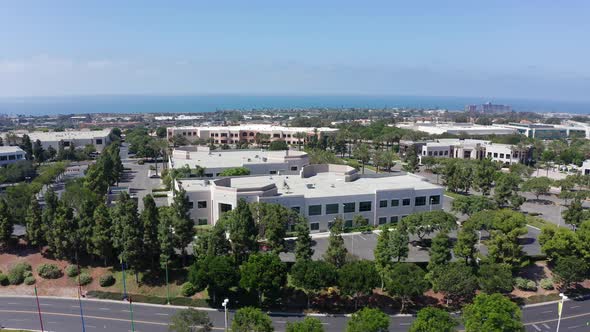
<point x="477" y="150"/>
<point x="320" y="193"/>
<point x="11" y="154"/>
<point x="78" y="138"/>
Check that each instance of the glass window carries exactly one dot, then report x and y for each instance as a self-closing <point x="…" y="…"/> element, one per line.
<point x="202" y="204"/>
<point x="394" y="202"/>
<point x="202" y="221"/>
<point x="435" y="199"/>
<point x="349" y="207"/>
<point x="314" y="226"/>
<point x="99" y="141"/>
<point x="382" y="220"/>
<point x="495" y="155"/>
<point x="224" y="207"/>
<point x="11" y="157"/>
<point x="296" y="209"/>
<point x="501" y="155"/>
<point x="393" y="219"/>
<point x="331" y="208"/>
<point x="315" y="210"/>
<point x="293" y="168"/>
<point x="191" y="205"/>
<point x="364" y="206"/>
<point x="383" y="203"/>
<point x="273" y="172"/>
<point x="420" y="201"/>
<point x="406" y="202"/>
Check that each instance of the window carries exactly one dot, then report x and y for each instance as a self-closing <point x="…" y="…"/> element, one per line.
<point x="3" y="157"/>
<point x="99" y="141"/>
<point x="501" y="155"/>
<point x="489" y="155"/>
<point x="208" y="175"/>
<point x="495" y="154"/>
<point x="446" y="153"/>
<point x="430" y="153"/>
<point x="273" y="172"/>
<point x="293" y="168"/>
<point x="315" y="210"/>
<point x="349" y="207"/>
<point x="348" y="223"/>
<point x="314" y="226"/>
<point x="394" y="202"/>
<point x="364" y="206"/>
<point x="296" y="209"/>
<point x="435" y="200"/>
<point x="191" y="204"/>
<point x="382" y="220"/>
<point x="420" y="201"/>
<point x="383" y="203"/>
<point x="331" y="208"/>
<point x="202" y="221"/>
<point x="202" y="204"/>
<point x="393" y="219"/>
<point x="406" y="202"/>
<point x="223" y="208"/>
<point x="276" y="135"/>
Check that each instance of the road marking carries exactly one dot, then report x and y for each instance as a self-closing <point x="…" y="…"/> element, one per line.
<point x="546" y="312"/>
<point x="161" y="314"/>
<point x="12" y="303"/>
<point x="547" y="326"/>
<point x="74" y="306"/>
<point x="104" y="309"/>
<point x="574" y="306"/>
<point x="90" y="326"/>
<point x="362" y="237"/>
<point x="554" y="320"/>
<point x="17" y="320"/>
<point x="45" y="313"/>
<point x="402" y="324"/>
<point x="575" y="327"/>
<point x="536" y="327"/>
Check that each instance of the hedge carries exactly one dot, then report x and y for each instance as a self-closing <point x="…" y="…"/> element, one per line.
<point x="184" y="301"/>
<point x="72" y="271"/>
<point x="188" y="289"/>
<point x="30" y="280"/>
<point x="106" y="280"/>
<point x="85" y="278"/>
<point x="49" y="271"/>
<point x="4" y="280"/>
<point x="16" y="275"/>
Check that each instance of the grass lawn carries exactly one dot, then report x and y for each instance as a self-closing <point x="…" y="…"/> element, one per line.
<point x="536" y="222"/>
<point x="453" y="195"/>
<point x="149" y="285"/>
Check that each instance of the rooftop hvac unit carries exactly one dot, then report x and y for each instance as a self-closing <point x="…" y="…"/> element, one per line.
<point x="310" y="186"/>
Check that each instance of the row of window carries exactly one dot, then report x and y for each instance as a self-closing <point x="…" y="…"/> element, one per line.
<point x="334" y="208"/>
<point x="314" y="226"/>
<point x="515" y="155"/>
<point x="436" y="153"/>
<point x="12" y="157"/>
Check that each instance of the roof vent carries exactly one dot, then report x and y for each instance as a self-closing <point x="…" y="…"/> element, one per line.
<point x="333" y="185"/>
<point x="310" y="186"/>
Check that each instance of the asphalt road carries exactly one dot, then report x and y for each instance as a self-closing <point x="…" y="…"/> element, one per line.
<point x="64" y="315"/>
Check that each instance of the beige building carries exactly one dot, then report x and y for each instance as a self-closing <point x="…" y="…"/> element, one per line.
<point x="320" y="193"/>
<point x="475" y="149"/>
<point x="78" y="138"/>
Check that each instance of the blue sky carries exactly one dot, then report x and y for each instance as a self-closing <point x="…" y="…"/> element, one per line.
<point x="527" y="49"/>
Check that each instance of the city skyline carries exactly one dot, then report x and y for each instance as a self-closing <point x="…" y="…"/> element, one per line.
<point x="504" y="49"/>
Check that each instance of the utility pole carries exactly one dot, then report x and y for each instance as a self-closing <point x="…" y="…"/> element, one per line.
<point x="39" y="309"/>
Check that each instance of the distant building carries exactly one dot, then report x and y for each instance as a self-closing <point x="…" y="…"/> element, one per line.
<point x="318" y="192"/>
<point x="11" y="154"/>
<point x="549" y="131"/>
<point x="452" y="128"/>
<point x="488" y="108"/>
<point x="476" y="149"/>
<point x="78" y="138"/>
<point x="257" y="161"/>
<point x="247" y="133"/>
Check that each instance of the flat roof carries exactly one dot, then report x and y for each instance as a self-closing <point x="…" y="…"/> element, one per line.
<point x="232" y="158"/>
<point x="61" y="135"/>
<point x="10" y="149"/>
<point x="321" y="185"/>
<point x="255" y="127"/>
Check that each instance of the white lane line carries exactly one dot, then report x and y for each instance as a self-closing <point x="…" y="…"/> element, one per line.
<point x="45" y="304"/>
<point x="574" y="306"/>
<point x="90" y="326"/>
<point x="574" y="327"/>
<point x="12" y="303"/>
<point x="402" y="324"/>
<point x="75" y="306"/>
<point x="546" y="326"/>
<point x="104" y="309"/>
<point x="17" y="320"/>
<point x="362" y="237"/>
<point x="125" y="310"/>
<point x="546" y="312"/>
<point x="536" y="327"/>
<point x="161" y="314"/>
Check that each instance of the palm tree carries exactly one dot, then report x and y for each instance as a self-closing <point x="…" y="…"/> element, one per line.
<point x="301" y="136"/>
<point x="362" y="153"/>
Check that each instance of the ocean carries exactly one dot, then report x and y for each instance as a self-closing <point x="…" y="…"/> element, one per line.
<point x="212" y="103"/>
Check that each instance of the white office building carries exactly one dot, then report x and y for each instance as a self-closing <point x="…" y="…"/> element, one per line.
<point x="475" y="149"/>
<point x="320" y="193"/>
<point x="78" y="138"/>
<point x="11" y="154"/>
<point x="469" y="129"/>
<point x="257" y="161"/>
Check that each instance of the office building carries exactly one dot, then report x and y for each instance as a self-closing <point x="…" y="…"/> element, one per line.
<point x="78" y="138"/>
<point x="320" y="193"/>
<point x="459" y="129"/>
<point x="11" y="154"/>
<point x="257" y="161"/>
<point x="476" y="149"/>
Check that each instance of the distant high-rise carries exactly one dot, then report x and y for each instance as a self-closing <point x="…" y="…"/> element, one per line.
<point x="488" y="108"/>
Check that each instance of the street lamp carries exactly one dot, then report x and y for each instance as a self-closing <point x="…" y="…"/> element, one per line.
<point x="560" y="309"/>
<point x="224" y="304"/>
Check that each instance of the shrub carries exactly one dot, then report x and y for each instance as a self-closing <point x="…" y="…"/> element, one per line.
<point x="27" y="274"/>
<point x="49" y="271"/>
<point x="525" y="284"/>
<point x="4" y="280"/>
<point x="106" y="280"/>
<point x="547" y="283"/>
<point x="72" y="271"/>
<point x="16" y="275"/>
<point x="188" y="289"/>
<point x="85" y="279"/>
<point x="30" y="280"/>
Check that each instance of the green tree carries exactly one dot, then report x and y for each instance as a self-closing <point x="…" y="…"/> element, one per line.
<point x="398" y="243"/>
<point x="406" y="280"/>
<point x="190" y="320"/>
<point x="336" y="252"/>
<point x="128" y="233"/>
<point x="303" y="249"/>
<point x="208" y="271"/>
<point x="362" y="153"/>
<point x="358" y="278"/>
<point x="368" y="320"/>
<point x="383" y="253"/>
<point x="184" y="230"/>
<point x="308" y="324"/>
<point x="440" y="251"/>
<point x="165" y="235"/>
<point x="38" y="152"/>
<point x="424" y="223"/>
<point x="102" y="232"/>
<point x="236" y="171"/>
<point x="506" y="190"/>
<point x="273" y="221"/>
<point x="569" y="270"/>
<point x="313" y="276"/>
<point x="465" y="247"/>
<point x="537" y="186"/>
<point x="495" y="278"/>
<point x="278" y="145"/>
<point x="559" y="242"/>
<point x="249" y="319"/>
<point x="411" y="160"/>
<point x="492" y="313"/>
<point x="456" y="280"/>
<point x="263" y="273"/>
<point x="27" y="146"/>
<point x="161" y="132"/>
<point x="63" y="234"/>
<point x="432" y="319"/>
<point x="242" y="230"/>
<point x="34" y="224"/>
<point x="484" y="174"/>
<point x="575" y="214"/>
<point x="6" y="223"/>
<point x="470" y="205"/>
<point x="150" y="221"/>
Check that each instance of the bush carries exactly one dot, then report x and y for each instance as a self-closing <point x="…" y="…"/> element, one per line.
<point x="49" y="271"/>
<point x="547" y="283"/>
<point x="188" y="289"/>
<point x="4" y="280"/>
<point x="30" y="280"/>
<point x="106" y="280"/>
<point x="72" y="271"/>
<point x="85" y="279"/>
<point x="27" y="274"/>
<point x="16" y="275"/>
<point x="525" y="284"/>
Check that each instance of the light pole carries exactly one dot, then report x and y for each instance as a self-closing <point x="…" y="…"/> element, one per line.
<point x="224" y="304"/>
<point x="560" y="309"/>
